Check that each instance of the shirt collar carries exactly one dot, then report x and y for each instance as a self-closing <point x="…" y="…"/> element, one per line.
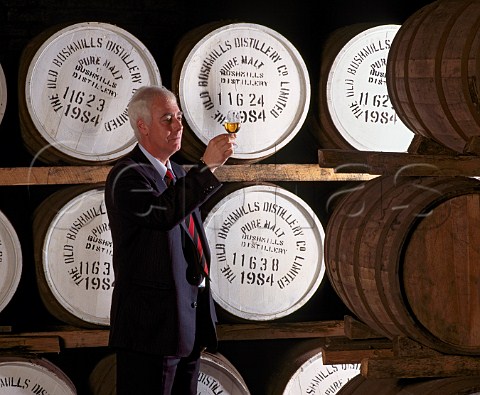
<point x="159" y="166"/>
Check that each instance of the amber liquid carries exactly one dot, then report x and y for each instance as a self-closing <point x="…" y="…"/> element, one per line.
<point x="232" y="127"/>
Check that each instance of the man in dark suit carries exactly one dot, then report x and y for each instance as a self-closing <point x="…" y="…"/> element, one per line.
<point x="162" y="313"/>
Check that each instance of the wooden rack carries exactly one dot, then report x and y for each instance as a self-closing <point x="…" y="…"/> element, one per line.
<point x="399" y="358"/>
<point x="67" y="337"/>
<point x="347" y="341"/>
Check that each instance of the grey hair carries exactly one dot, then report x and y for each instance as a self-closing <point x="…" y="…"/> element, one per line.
<point x="141" y="101"/>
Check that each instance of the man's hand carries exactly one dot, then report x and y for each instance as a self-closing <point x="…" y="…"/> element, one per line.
<point x="218" y="150"/>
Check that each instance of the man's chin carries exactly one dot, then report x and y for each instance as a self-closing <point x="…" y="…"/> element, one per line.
<point x="176" y="149"/>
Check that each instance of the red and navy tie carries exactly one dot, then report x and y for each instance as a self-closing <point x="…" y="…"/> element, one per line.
<point x="196" y="239"/>
<point x="168" y="177"/>
<point x="191" y="228"/>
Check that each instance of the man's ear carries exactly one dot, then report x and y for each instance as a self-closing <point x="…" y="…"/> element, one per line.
<point x="142" y="127"/>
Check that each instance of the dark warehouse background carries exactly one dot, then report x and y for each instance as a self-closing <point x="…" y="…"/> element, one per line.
<point x="160" y="25"/>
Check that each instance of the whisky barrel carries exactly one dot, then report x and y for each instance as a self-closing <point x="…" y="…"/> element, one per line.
<point x="432" y="69"/>
<point x="217" y="376"/>
<point x="354" y="106"/>
<point x="73" y="255"/>
<point x="23" y="375"/>
<point x="401" y="253"/>
<point x="441" y="386"/>
<point x="3" y="93"/>
<point x="244" y="66"/>
<point x="301" y="371"/>
<point x="267" y="251"/>
<point x="102" y="379"/>
<point x="74" y="86"/>
<point x="10" y="261"/>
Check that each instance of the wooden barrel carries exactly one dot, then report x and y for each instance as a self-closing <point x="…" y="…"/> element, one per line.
<point x="267" y="251"/>
<point x="10" y="261"/>
<point x="442" y="386"/>
<point x="432" y="69"/>
<point x="244" y="66"/>
<point x="217" y="376"/>
<point x="73" y="255"/>
<point x="74" y="87"/>
<point x="301" y="371"/>
<point x="3" y="93"/>
<point x="21" y="375"/>
<point x="401" y="253"/>
<point x="102" y="379"/>
<point x="354" y="106"/>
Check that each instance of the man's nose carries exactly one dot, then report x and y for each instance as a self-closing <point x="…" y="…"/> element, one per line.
<point x="178" y="123"/>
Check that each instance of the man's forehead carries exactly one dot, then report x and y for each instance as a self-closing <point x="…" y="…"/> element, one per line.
<point x="167" y="103"/>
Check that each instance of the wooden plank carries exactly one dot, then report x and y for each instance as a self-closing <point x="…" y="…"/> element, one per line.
<point x="405" y="347"/>
<point x="258" y="331"/>
<point x="234" y="173"/>
<point x="34" y="344"/>
<point x="71" y="337"/>
<point x="355" y="329"/>
<point x="53" y="175"/>
<point x="427" y="366"/>
<point x="404" y="164"/>
<point x="284" y="172"/>
<point x="345" y="351"/>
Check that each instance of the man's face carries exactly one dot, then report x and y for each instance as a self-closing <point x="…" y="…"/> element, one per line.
<point x="163" y="136"/>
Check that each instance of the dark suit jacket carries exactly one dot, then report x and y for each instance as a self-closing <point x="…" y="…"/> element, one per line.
<point x="154" y="308"/>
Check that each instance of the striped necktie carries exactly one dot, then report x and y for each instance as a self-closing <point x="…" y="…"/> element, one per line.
<point x="168" y="177"/>
<point x="196" y="239"/>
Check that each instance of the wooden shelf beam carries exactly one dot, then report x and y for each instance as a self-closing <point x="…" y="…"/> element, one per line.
<point x="30" y="344"/>
<point x="381" y="358"/>
<point x="70" y="337"/>
<point x="417" y="367"/>
<point x="346" y="351"/>
<point x="54" y="175"/>
<point x="292" y="330"/>
<point x="394" y="163"/>
<point x="355" y="329"/>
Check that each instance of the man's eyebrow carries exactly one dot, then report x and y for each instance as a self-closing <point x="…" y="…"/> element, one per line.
<point x="172" y="114"/>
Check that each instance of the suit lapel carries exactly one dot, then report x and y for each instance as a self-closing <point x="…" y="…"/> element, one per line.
<point x="197" y="220"/>
<point x="148" y="169"/>
<point x="179" y="172"/>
